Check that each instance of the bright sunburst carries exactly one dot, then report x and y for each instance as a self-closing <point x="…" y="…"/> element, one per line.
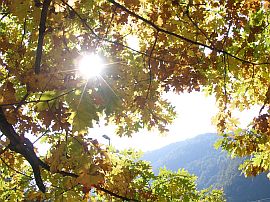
<point x="90" y="65"/>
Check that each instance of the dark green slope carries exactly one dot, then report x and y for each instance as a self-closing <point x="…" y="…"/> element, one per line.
<point x="212" y="167"/>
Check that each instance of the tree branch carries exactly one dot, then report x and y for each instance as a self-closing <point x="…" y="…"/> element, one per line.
<point x="36" y="101"/>
<point x="23" y="147"/>
<point x="26" y="149"/>
<point x="197" y="27"/>
<point x="3" y="150"/>
<point x="44" y="133"/>
<point x="149" y="65"/>
<point x="64" y="173"/>
<point x="113" y="194"/>
<point x="225" y="80"/>
<point x="110" y="22"/>
<point x="83" y="21"/>
<point x="22" y="101"/>
<point x="41" y="34"/>
<point x="16" y="171"/>
<point x="159" y="29"/>
<point x="5" y="14"/>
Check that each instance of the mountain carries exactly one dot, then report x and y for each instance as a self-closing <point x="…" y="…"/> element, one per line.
<point x="213" y="167"/>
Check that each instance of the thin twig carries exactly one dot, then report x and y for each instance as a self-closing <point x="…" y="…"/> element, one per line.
<point x="3" y="151"/>
<point x="53" y="114"/>
<point x="44" y="133"/>
<point x="159" y="29"/>
<point x="224" y="80"/>
<point x="65" y="41"/>
<point x="149" y="65"/>
<point x="15" y="169"/>
<point x="83" y="21"/>
<point x="111" y="20"/>
<point x="227" y="34"/>
<point x="22" y="101"/>
<point x="266" y="100"/>
<point x="37" y="101"/>
<point x="196" y="25"/>
<point x="4" y="15"/>
<point x="113" y="194"/>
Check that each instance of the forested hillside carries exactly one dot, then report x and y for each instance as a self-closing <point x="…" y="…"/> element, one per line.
<point x="212" y="167"/>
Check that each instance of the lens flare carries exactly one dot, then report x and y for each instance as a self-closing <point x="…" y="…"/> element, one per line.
<point x="90" y="65"/>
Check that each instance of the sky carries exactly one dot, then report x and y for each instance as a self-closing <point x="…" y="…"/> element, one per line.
<point x="194" y="115"/>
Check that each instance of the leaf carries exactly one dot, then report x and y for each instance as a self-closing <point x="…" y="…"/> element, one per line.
<point x="159" y="21"/>
<point x="83" y="117"/>
<point x="46" y="99"/>
<point x="88" y="180"/>
<point x="83" y="113"/>
<point x="218" y="143"/>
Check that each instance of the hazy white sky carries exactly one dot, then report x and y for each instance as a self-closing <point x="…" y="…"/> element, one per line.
<point x="194" y="116"/>
<point x="195" y="112"/>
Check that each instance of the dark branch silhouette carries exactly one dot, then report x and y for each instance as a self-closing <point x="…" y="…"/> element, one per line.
<point x="24" y="147"/>
<point x="41" y="34"/>
<point x="159" y="29"/>
<point x="85" y="24"/>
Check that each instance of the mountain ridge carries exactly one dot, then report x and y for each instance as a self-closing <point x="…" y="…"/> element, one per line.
<point x="213" y="167"/>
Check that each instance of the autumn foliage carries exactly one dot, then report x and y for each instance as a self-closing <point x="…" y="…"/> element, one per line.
<point x="219" y="47"/>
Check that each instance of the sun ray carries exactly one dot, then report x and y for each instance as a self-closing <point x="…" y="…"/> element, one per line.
<point x="84" y="88"/>
<point x="109" y="86"/>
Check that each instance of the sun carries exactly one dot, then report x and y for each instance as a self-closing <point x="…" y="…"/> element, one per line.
<point x="90" y="65"/>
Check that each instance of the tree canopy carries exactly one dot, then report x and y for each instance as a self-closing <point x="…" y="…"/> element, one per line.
<point x="219" y="47"/>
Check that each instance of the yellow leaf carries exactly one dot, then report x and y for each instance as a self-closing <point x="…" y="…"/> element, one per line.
<point x="159" y="21"/>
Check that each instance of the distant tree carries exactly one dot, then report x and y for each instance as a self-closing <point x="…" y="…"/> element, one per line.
<point x="220" y="47"/>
